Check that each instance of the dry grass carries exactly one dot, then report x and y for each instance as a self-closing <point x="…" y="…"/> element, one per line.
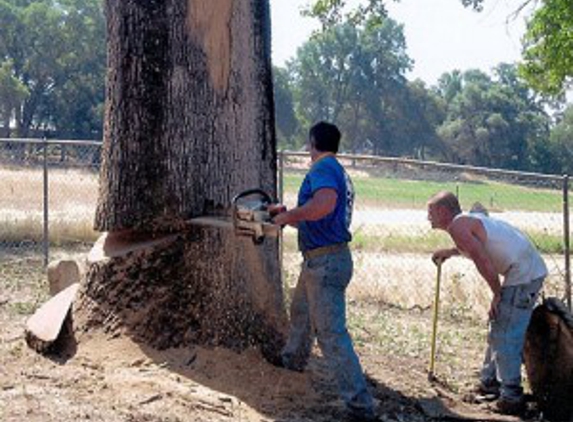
<point x="408" y="281"/>
<point x="30" y="229"/>
<point x="72" y="199"/>
<point x="22" y="189"/>
<point x="392" y="247"/>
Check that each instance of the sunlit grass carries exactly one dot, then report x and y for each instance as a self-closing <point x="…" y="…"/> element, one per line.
<point x="424" y="242"/>
<point x="401" y="193"/>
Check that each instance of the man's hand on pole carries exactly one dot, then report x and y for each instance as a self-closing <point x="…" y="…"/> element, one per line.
<point x="442" y="254"/>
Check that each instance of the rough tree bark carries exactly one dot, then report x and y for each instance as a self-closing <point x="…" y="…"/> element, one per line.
<point x="189" y="123"/>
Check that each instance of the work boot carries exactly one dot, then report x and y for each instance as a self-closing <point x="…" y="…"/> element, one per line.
<point x="510" y="407"/>
<point x="488" y="388"/>
<point x="483" y="392"/>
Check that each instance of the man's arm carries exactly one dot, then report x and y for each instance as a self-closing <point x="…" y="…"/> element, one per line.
<point x="465" y="234"/>
<point x="321" y="204"/>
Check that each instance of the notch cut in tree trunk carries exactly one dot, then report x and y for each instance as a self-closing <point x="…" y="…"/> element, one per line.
<point x="155" y="290"/>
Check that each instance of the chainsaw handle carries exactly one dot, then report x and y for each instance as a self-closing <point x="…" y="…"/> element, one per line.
<point x="254" y="191"/>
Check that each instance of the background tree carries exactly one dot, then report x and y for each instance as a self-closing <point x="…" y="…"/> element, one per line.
<point x="425" y="112"/>
<point x="471" y="117"/>
<point x="560" y="146"/>
<point x="333" y="12"/>
<point x="449" y="85"/>
<point x="492" y="121"/>
<point x="286" y="120"/>
<point x="322" y="74"/>
<point x="354" y="75"/>
<point x="548" y="47"/>
<point x="12" y="93"/>
<point x="55" y="50"/>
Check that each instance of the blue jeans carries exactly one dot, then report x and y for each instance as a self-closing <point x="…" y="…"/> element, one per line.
<point x="506" y="339"/>
<point x="318" y="308"/>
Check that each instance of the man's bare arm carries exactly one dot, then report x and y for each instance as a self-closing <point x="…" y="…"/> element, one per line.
<point x="466" y="239"/>
<point x="465" y="234"/>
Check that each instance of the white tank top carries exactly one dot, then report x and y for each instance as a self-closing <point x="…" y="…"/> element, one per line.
<point x="511" y="252"/>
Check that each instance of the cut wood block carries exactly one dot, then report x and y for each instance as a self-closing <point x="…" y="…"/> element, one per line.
<point x="44" y="327"/>
<point x="61" y="274"/>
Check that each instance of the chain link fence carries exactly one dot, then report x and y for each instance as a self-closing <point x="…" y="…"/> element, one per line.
<point x="49" y="191"/>
<point x="393" y="240"/>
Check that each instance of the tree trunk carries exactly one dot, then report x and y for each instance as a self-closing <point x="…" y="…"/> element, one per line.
<point x="189" y="124"/>
<point x="189" y="117"/>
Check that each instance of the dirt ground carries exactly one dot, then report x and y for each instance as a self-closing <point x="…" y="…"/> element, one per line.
<point x="115" y="379"/>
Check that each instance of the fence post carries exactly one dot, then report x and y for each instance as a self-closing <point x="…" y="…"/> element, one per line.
<point x="281" y="176"/>
<point x="281" y="201"/>
<point x="46" y="239"/>
<point x="566" y="239"/>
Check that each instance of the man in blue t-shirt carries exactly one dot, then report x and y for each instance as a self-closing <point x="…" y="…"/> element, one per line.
<point x="322" y="216"/>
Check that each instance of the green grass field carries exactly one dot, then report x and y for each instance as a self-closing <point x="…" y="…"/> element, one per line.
<point x="426" y="243"/>
<point x="400" y="193"/>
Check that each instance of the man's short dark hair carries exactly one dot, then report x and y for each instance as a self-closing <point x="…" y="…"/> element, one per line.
<point x="325" y="137"/>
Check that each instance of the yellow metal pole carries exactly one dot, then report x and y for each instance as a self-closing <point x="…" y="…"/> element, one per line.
<point x="435" y="321"/>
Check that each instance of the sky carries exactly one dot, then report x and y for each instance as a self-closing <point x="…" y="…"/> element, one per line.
<point x="441" y="35"/>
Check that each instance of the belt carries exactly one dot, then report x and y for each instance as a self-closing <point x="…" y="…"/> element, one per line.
<point x="313" y="253"/>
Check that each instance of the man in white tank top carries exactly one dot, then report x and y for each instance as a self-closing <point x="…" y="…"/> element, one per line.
<point x="514" y="271"/>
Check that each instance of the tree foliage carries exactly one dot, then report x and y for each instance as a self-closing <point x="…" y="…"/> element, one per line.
<point x="353" y="72"/>
<point x="491" y="121"/>
<point x="561" y="144"/>
<point x="334" y="12"/>
<point x="52" y="66"/>
<point x="548" y="47"/>
<point x="285" y="118"/>
<point x="355" y="75"/>
<point x="12" y="94"/>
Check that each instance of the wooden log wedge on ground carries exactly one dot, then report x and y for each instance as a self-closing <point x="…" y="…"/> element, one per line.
<point x="47" y="324"/>
<point x="61" y="274"/>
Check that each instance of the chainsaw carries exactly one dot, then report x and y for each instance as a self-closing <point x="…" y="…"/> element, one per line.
<point x="251" y="215"/>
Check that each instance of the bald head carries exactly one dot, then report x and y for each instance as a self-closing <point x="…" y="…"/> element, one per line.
<point x="442" y="208"/>
<point x="447" y="200"/>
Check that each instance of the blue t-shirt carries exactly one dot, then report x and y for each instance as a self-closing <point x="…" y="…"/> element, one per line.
<point x="333" y="228"/>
